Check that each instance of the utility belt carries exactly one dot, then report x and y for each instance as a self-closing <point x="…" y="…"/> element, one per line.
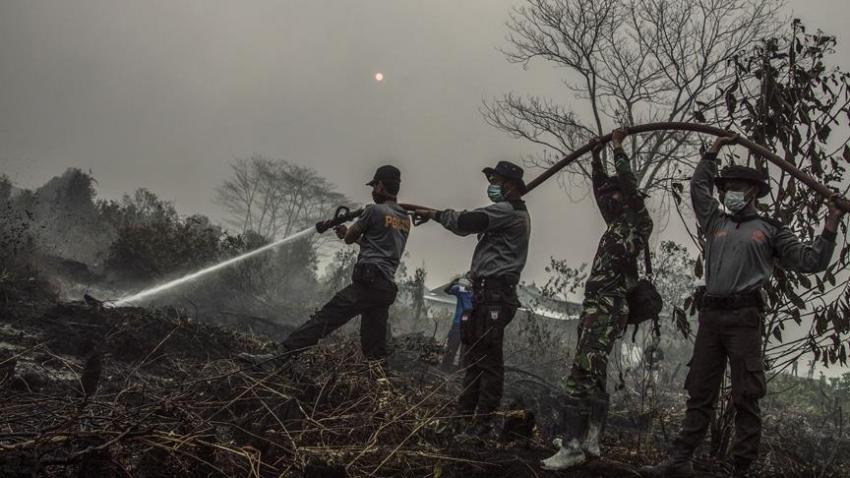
<point x="495" y="289"/>
<point x="733" y="301"/>
<point x="495" y="302"/>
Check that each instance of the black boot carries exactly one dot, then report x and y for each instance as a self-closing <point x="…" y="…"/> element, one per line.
<point x="677" y="465"/>
<point x="576" y="419"/>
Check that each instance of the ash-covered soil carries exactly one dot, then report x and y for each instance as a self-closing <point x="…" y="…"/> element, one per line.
<point x="88" y="391"/>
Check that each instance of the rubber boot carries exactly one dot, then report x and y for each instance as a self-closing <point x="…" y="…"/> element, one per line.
<point x="596" y="427"/>
<point x="678" y="465"/>
<point x="570" y="453"/>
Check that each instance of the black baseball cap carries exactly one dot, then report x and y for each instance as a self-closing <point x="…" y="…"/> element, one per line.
<point x="386" y="174"/>
<point x="389" y="176"/>
<point x="507" y="170"/>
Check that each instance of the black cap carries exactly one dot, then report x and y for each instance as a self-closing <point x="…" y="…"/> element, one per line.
<point x="389" y="176"/>
<point x="507" y="170"/>
<point x="743" y="173"/>
<point x="386" y="174"/>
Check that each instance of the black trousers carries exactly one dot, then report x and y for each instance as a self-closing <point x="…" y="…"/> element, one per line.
<point x="370" y="300"/>
<point x="482" y="338"/>
<point x="733" y="336"/>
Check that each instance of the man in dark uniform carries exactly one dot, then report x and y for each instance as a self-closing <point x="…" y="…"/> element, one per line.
<point x="605" y="309"/>
<point x="503" y="230"/>
<point x="741" y="251"/>
<point x="381" y="232"/>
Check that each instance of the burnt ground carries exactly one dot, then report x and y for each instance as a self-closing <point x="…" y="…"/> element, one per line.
<point x="93" y="391"/>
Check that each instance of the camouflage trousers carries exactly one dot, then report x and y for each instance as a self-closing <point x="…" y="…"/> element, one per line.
<point x="602" y="322"/>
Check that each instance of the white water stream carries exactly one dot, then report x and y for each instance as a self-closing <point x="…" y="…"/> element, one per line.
<point x="188" y="278"/>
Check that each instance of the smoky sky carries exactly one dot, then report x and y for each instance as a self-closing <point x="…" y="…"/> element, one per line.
<point x="164" y="94"/>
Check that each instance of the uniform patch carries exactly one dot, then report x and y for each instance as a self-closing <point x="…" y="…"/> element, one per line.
<point x="758" y="236"/>
<point x="397" y="223"/>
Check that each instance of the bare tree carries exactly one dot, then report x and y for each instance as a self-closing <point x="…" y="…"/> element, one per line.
<point x="276" y="198"/>
<point x="628" y="62"/>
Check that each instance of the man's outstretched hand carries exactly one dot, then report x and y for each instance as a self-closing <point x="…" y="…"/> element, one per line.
<point x="617" y="137"/>
<point x="421" y="216"/>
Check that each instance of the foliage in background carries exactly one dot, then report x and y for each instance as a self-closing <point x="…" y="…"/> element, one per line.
<point x="276" y="198"/>
<point x="626" y="62"/>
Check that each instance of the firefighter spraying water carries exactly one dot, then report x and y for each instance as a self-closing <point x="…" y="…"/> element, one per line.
<point x="343" y="214"/>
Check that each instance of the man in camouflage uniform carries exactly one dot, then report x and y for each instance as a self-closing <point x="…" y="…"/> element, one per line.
<point x="605" y="310"/>
<point x="742" y="249"/>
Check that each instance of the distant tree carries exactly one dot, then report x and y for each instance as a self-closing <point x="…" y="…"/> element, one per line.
<point x="66" y="215"/>
<point x="276" y="198"/>
<point x="143" y="207"/>
<point x="17" y="243"/>
<point x="627" y="62"/>
<point x="152" y="241"/>
<point x="564" y="280"/>
<point x="416" y="290"/>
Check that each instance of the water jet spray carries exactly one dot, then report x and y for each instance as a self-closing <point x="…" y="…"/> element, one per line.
<point x="342" y="215"/>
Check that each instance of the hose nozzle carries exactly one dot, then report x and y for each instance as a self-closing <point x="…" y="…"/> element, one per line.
<point x="342" y="215"/>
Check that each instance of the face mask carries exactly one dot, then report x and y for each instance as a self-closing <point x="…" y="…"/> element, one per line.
<point x="494" y="192"/>
<point x="735" y="201"/>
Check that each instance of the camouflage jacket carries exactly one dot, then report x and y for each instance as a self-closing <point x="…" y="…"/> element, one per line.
<point x="614" y="268"/>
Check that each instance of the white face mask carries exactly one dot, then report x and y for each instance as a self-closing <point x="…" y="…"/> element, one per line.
<point x="735" y="201"/>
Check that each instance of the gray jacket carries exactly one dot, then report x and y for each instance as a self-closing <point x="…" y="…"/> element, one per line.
<point x="385" y="231"/>
<point x="741" y="250"/>
<point x="503" y="229"/>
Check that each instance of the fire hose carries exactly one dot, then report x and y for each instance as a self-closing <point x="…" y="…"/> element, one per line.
<point x="794" y="171"/>
<point x="341" y="216"/>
